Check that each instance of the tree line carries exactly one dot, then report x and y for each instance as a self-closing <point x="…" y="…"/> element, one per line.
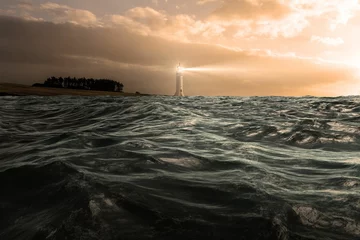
<point x="83" y="83"/>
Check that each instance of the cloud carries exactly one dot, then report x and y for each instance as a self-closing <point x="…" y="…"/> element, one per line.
<point x="181" y="27"/>
<point x="203" y="2"/>
<point x="146" y="63"/>
<point x="327" y="40"/>
<point x="141" y="46"/>
<point x="281" y="18"/>
<point x="336" y="12"/>
<point x="287" y="27"/>
<point x="7" y="12"/>
<point x="251" y="9"/>
<point x="63" y="13"/>
<point x="148" y="17"/>
<point x="23" y="8"/>
<point x="25" y="5"/>
<point x="258" y="18"/>
<point x="231" y="21"/>
<point x="126" y="22"/>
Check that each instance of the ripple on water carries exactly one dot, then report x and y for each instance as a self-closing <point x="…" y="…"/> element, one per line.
<point x="179" y="168"/>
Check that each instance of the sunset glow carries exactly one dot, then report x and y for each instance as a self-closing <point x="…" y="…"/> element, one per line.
<point x="243" y="47"/>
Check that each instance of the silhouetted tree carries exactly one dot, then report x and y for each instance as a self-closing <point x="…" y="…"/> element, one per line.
<point x="83" y="83"/>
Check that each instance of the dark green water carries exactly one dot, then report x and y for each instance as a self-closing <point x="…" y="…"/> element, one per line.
<point x="179" y="168"/>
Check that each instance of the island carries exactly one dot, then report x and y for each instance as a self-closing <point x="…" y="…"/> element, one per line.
<point x="67" y="86"/>
<point x="82" y="83"/>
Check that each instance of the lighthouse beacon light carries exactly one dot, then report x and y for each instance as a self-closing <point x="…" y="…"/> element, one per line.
<point x="179" y="81"/>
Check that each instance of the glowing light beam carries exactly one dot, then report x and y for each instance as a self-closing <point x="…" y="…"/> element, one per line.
<point x="214" y="69"/>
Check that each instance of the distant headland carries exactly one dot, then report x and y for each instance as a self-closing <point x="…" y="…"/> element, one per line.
<point x="67" y="86"/>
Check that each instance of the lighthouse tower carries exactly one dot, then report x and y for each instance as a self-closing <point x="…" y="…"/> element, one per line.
<point x="179" y="82"/>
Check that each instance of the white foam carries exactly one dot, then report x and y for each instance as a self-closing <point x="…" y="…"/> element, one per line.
<point x="350" y="183"/>
<point x="101" y="204"/>
<point x="312" y="217"/>
<point x="308" y="215"/>
<point x="352" y="161"/>
<point x="108" y="202"/>
<point x="184" y="162"/>
<point x="94" y="208"/>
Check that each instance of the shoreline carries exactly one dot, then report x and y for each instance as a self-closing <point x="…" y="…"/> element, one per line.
<point x="16" y="90"/>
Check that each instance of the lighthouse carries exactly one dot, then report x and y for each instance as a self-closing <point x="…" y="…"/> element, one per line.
<point x="179" y="82"/>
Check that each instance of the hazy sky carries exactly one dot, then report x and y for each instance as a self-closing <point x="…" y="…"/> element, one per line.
<point x="242" y="47"/>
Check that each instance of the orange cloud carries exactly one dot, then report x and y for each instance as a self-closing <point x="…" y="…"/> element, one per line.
<point x="251" y="9"/>
<point x="181" y="27"/>
<point x="327" y="40"/>
<point x="202" y="2"/>
<point x="233" y="19"/>
<point x="264" y="47"/>
<point x="145" y="63"/>
<point x="63" y="13"/>
<point x="281" y="18"/>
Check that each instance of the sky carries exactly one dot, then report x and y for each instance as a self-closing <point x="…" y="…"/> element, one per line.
<point x="230" y="47"/>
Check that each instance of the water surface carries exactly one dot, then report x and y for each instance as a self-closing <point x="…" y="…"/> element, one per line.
<point x="179" y="168"/>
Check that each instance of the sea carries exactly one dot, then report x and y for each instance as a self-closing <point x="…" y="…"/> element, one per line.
<point x="156" y="167"/>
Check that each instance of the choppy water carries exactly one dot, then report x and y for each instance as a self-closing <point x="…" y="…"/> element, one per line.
<point x="179" y="168"/>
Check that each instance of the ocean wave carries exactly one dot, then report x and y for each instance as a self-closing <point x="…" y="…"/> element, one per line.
<point x="175" y="168"/>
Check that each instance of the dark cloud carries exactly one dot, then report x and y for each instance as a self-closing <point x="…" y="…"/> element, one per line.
<point x="116" y="44"/>
<point x="31" y="51"/>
